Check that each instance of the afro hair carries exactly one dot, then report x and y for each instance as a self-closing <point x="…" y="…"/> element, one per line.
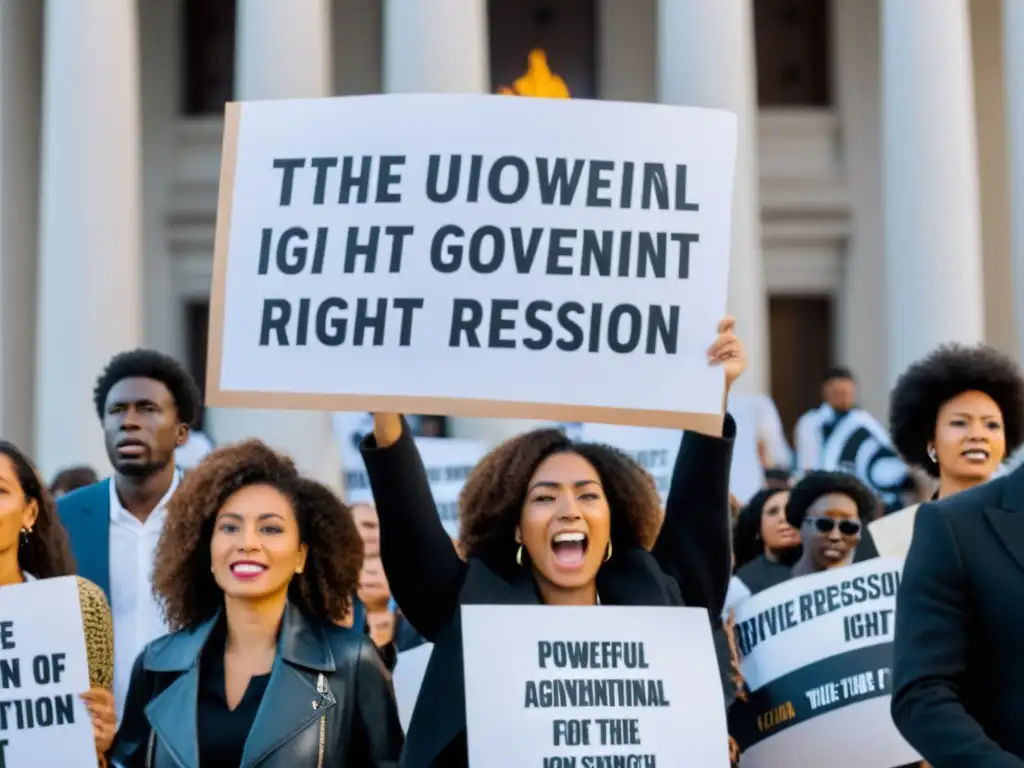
<point x="814" y="485"/>
<point x="149" y="364"/>
<point x="935" y="380"/>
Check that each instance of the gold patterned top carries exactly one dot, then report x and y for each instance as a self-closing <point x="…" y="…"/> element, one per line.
<point x="99" y="634"/>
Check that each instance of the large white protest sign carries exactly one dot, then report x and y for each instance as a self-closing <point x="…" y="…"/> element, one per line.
<point x="816" y="654"/>
<point x="473" y="255"/>
<point x="43" y="671"/>
<point x="580" y="687"/>
<point x="447" y="461"/>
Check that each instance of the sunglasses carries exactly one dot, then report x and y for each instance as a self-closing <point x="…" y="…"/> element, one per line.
<point x="827" y="525"/>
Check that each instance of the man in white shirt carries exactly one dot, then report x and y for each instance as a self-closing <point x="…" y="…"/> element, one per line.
<point x="145" y="401"/>
<point x="839" y="393"/>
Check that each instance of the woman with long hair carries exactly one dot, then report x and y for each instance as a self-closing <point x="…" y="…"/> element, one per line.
<point x="765" y="546"/>
<point x="545" y="520"/>
<point x="956" y="414"/>
<point x="34" y="545"/>
<point x="255" y="568"/>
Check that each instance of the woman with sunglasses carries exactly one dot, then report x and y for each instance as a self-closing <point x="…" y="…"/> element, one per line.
<point x="830" y="510"/>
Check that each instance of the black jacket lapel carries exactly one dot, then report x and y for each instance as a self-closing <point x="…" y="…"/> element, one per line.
<point x="292" y="700"/>
<point x="1009" y="529"/>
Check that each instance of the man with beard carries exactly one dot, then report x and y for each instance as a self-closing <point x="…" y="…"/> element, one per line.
<point x="146" y="402"/>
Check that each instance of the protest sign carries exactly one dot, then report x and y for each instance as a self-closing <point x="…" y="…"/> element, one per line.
<point x="43" y="671"/>
<point x="473" y="255"/>
<point x="447" y="461"/>
<point x="407" y="679"/>
<point x="653" y="449"/>
<point x="816" y="655"/>
<point x="581" y="687"/>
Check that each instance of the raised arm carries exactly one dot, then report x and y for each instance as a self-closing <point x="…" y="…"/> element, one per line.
<point x="930" y="650"/>
<point x="422" y="566"/>
<point x="694" y="546"/>
<point x="695" y="543"/>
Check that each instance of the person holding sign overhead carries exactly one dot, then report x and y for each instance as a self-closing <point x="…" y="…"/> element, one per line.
<point x="254" y="568"/>
<point x="545" y="520"/>
<point x="34" y="545"/>
<point x="956" y="414"/>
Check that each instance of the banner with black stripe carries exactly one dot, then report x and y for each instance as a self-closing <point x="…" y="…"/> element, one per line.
<point x="816" y="651"/>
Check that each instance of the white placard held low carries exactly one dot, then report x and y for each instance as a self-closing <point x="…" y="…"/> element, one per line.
<point x="473" y="255"/>
<point x="407" y="679"/>
<point x="43" y="670"/>
<point x="816" y="654"/>
<point x="577" y="685"/>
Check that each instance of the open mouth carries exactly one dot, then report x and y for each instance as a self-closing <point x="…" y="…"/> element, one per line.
<point x="976" y="455"/>
<point x="247" y="570"/>
<point x="570" y="547"/>
<point x="833" y="553"/>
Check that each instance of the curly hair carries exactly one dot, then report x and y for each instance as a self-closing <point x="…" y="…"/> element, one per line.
<point x="818" y="483"/>
<point x="182" y="579"/>
<point x="492" y="499"/>
<point x="746" y="533"/>
<point x="932" y="382"/>
<point x="46" y="552"/>
<point x="149" y="364"/>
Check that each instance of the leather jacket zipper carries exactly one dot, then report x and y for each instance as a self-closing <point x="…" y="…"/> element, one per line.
<point x="321" y="688"/>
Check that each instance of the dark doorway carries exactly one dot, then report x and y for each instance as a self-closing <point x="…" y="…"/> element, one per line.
<point x="801" y="351"/>
<point x="564" y="29"/>
<point x="792" y="42"/>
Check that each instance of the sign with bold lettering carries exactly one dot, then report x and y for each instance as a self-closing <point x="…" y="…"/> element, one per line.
<point x="447" y="460"/>
<point x="816" y="654"/>
<point x="473" y="255"/>
<point x="589" y="687"/>
<point x="43" y="670"/>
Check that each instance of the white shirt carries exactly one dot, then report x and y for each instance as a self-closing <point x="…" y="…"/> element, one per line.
<point x="770" y="430"/>
<point x="137" y="617"/>
<point x="809" y="437"/>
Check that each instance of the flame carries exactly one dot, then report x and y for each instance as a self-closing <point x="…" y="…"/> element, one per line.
<point x="539" y="80"/>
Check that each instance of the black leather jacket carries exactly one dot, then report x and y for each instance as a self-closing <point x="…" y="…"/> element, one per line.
<point x="329" y="702"/>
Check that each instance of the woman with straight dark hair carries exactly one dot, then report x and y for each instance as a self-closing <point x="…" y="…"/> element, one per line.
<point x="546" y="520"/>
<point x="33" y="546"/>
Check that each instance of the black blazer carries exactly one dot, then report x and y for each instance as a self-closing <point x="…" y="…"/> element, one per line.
<point x="355" y="716"/>
<point x="690" y="565"/>
<point x="957" y="670"/>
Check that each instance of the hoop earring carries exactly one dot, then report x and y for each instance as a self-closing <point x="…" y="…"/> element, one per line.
<point x="608" y="555"/>
<point x="24" y="536"/>
<point x="519" y="556"/>
<point x="932" y="455"/>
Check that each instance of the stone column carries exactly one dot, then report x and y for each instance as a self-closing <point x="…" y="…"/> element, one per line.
<point x="90" y="258"/>
<point x="929" y="153"/>
<point x="436" y="46"/>
<point x="1013" y="52"/>
<point x="284" y="51"/>
<point x="21" y="29"/>
<point x="706" y="59"/>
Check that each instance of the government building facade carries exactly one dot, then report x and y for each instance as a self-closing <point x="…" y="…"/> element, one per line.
<point x="876" y="186"/>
